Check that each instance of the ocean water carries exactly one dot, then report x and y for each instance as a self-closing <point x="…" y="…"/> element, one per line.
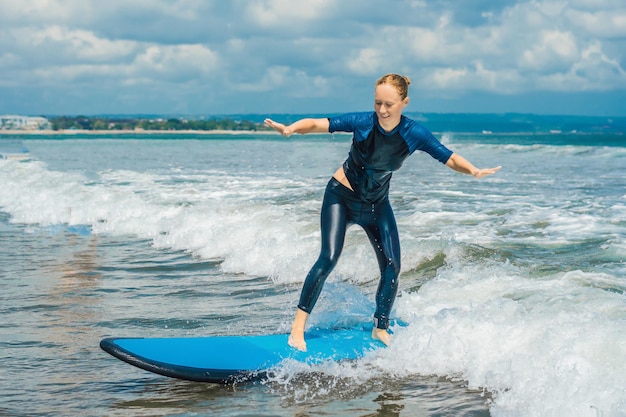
<point x="513" y="286"/>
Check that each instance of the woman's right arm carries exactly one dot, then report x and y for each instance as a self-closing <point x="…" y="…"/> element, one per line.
<point x="302" y="126"/>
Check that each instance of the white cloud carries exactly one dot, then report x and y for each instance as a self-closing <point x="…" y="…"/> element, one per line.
<point x="367" y="61"/>
<point x="287" y="12"/>
<point x="602" y="24"/>
<point x="553" y="51"/>
<point x="273" y="78"/>
<point x="294" y="83"/>
<point x="77" y="53"/>
<point x="176" y="61"/>
<point x="475" y="76"/>
<point x="277" y="50"/>
<point x="445" y="77"/>
<point x="74" y="44"/>
<point x="27" y="11"/>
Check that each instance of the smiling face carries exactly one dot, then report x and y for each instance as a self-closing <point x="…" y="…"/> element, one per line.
<point x="388" y="105"/>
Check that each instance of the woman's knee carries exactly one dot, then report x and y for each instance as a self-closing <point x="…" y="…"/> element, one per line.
<point x="328" y="259"/>
<point x="395" y="266"/>
<point x="390" y="268"/>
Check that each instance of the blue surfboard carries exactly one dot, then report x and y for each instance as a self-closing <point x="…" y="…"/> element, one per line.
<point x="228" y="359"/>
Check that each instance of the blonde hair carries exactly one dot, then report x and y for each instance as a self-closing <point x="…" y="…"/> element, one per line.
<point x="400" y="82"/>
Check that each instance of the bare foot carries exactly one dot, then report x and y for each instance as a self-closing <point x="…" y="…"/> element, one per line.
<point x="296" y="339"/>
<point x="382" y="335"/>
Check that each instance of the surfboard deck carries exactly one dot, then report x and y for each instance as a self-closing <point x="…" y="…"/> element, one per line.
<point x="228" y="359"/>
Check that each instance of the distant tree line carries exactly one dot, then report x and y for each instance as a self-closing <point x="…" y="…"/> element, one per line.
<point x="102" y="123"/>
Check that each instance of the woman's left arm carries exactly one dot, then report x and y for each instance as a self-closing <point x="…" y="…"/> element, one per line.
<point x="462" y="165"/>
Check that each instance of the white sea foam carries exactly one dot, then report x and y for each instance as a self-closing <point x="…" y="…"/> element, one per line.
<point x="228" y="219"/>
<point x="544" y="332"/>
<point x="547" y="347"/>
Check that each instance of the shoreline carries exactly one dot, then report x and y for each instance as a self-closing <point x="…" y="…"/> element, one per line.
<point x="77" y="132"/>
<point x="133" y="131"/>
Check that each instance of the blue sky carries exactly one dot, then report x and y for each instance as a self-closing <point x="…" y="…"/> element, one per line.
<point x="310" y="56"/>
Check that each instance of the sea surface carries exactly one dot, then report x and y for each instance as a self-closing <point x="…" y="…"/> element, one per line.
<point x="513" y="286"/>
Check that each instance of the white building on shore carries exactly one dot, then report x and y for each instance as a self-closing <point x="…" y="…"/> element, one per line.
<point x="12" y="122"/>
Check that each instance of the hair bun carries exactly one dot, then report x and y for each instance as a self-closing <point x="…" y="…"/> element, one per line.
<point x="399" y="82"/>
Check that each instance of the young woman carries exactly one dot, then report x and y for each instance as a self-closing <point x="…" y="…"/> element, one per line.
<point x="358" y="193"/>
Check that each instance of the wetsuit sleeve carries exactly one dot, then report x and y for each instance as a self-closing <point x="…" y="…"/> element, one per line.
<point x="422" y="139"/>
<point x="436" y="149"/>
<point x="350" y="122"/>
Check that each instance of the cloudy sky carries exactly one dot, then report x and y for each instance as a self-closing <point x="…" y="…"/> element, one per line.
<point x="310" y="56"/>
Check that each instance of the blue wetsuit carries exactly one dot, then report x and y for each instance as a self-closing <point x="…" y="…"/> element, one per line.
<point x="373" y="156"/>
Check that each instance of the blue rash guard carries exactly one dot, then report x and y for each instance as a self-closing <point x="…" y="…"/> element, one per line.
<point x="375" y="154"/>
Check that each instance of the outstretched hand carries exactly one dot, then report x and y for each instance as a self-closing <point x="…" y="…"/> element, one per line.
<point x="486" y="171"/>
<point x="462" y="165"/>
<point x="279" y="127"/>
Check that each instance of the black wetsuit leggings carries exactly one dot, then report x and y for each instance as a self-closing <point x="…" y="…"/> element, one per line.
<point x="341" y="209"/>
